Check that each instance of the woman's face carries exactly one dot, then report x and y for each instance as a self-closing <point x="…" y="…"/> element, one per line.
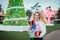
<point x="36" y="16"/>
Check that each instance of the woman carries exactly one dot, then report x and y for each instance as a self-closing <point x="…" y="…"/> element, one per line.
<point x="40" y="30"/>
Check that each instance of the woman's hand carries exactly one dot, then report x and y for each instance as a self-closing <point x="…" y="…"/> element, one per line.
<point x="29" y="28"/>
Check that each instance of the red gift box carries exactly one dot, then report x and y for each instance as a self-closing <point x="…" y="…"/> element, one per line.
<point x="31" y="22"/>
<point x="37" y="33"/>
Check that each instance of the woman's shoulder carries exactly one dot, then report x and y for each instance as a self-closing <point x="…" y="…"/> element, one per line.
<point x="42" y="23"/>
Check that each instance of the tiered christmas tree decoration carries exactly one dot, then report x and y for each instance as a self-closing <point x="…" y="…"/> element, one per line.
<point x="15" y="14"/>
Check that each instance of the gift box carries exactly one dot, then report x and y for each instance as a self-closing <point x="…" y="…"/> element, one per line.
<point x="31" y="22"/>
<point x="33" y="25"/>
<point x="37" y="33"/>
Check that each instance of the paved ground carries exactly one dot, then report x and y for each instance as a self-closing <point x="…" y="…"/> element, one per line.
<point x="55" y="35"/>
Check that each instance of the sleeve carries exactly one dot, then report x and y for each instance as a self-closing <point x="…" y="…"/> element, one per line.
<point x="43" y="29"/>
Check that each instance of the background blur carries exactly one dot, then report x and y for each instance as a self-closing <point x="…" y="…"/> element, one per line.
<point x="18" y="11"/>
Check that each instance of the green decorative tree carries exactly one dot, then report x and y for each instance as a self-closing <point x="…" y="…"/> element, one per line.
<point x="58" y="16"/>
<point x="15" y="14"/>
<point x="28" y="13"/>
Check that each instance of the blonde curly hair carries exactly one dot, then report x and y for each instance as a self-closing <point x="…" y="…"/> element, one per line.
<point x="41" y="17"/>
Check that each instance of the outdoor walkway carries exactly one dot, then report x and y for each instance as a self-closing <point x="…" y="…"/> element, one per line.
<point x="55" y="35"/>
